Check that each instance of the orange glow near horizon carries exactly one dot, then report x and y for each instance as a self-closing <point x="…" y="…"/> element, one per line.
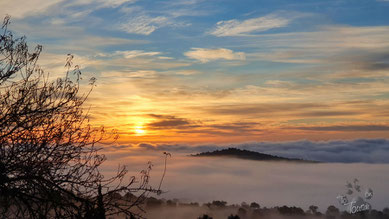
<point x="234" y="119"/>
<point x="139" y="130"/>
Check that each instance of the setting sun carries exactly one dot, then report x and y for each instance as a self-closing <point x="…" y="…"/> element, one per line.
<point x="139" y="130"/>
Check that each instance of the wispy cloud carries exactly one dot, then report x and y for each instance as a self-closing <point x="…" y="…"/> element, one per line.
<point x="347" y="128"/>
<point x="104" y="3"/>
<point x="144" y="24"/>
<point x="129" y="54"/>
<point x="21" y="8"/>
<point x="129" y="74"/>
<point x="239" y="28"/>
<point x="327" y="45"/>
<point x="186" y="2"/>
<point x="206" y="55"/>
<point x="139" y="20"/>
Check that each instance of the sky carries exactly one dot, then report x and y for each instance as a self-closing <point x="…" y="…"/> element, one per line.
<point x="294" y="78"/>
<point x="222" y="72"/>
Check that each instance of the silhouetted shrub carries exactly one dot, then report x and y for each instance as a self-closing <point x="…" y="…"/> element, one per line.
<point x="242" y="212"/>
<point x="205" y="217"/>
<point x="233" y="217"/>
<point x="171" y="203"/>
<point x="219" y="204"/>
<point x="254" y="205"/>
<point x="153" y="202"/>
<point x="290" y="210"/>
<point x="332" y="212"/>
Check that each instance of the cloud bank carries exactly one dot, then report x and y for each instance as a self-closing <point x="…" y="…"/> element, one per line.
<point x="340" y="151"/>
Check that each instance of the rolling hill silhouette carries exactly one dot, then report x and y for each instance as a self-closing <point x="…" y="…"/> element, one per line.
<point x="248" y="155"/>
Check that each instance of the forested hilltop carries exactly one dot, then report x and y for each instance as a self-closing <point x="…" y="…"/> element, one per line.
<point x="248" y="155"/>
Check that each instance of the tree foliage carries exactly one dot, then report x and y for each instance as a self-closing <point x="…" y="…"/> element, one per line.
<point x="49" y="160"/>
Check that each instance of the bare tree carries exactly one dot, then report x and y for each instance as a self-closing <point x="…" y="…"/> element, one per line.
<point x="49" y="160"/>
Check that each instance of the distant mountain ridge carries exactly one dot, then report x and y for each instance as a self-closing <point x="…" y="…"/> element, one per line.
<point x="248" y="155"/>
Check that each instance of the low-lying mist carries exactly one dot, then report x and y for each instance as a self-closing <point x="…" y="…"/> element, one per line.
<point x="195" y="179"/>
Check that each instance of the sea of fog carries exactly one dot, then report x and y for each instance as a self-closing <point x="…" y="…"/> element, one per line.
<point x="195" y="179"/>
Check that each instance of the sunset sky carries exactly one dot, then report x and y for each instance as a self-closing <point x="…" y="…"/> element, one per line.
<point x="196" y="71"/>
